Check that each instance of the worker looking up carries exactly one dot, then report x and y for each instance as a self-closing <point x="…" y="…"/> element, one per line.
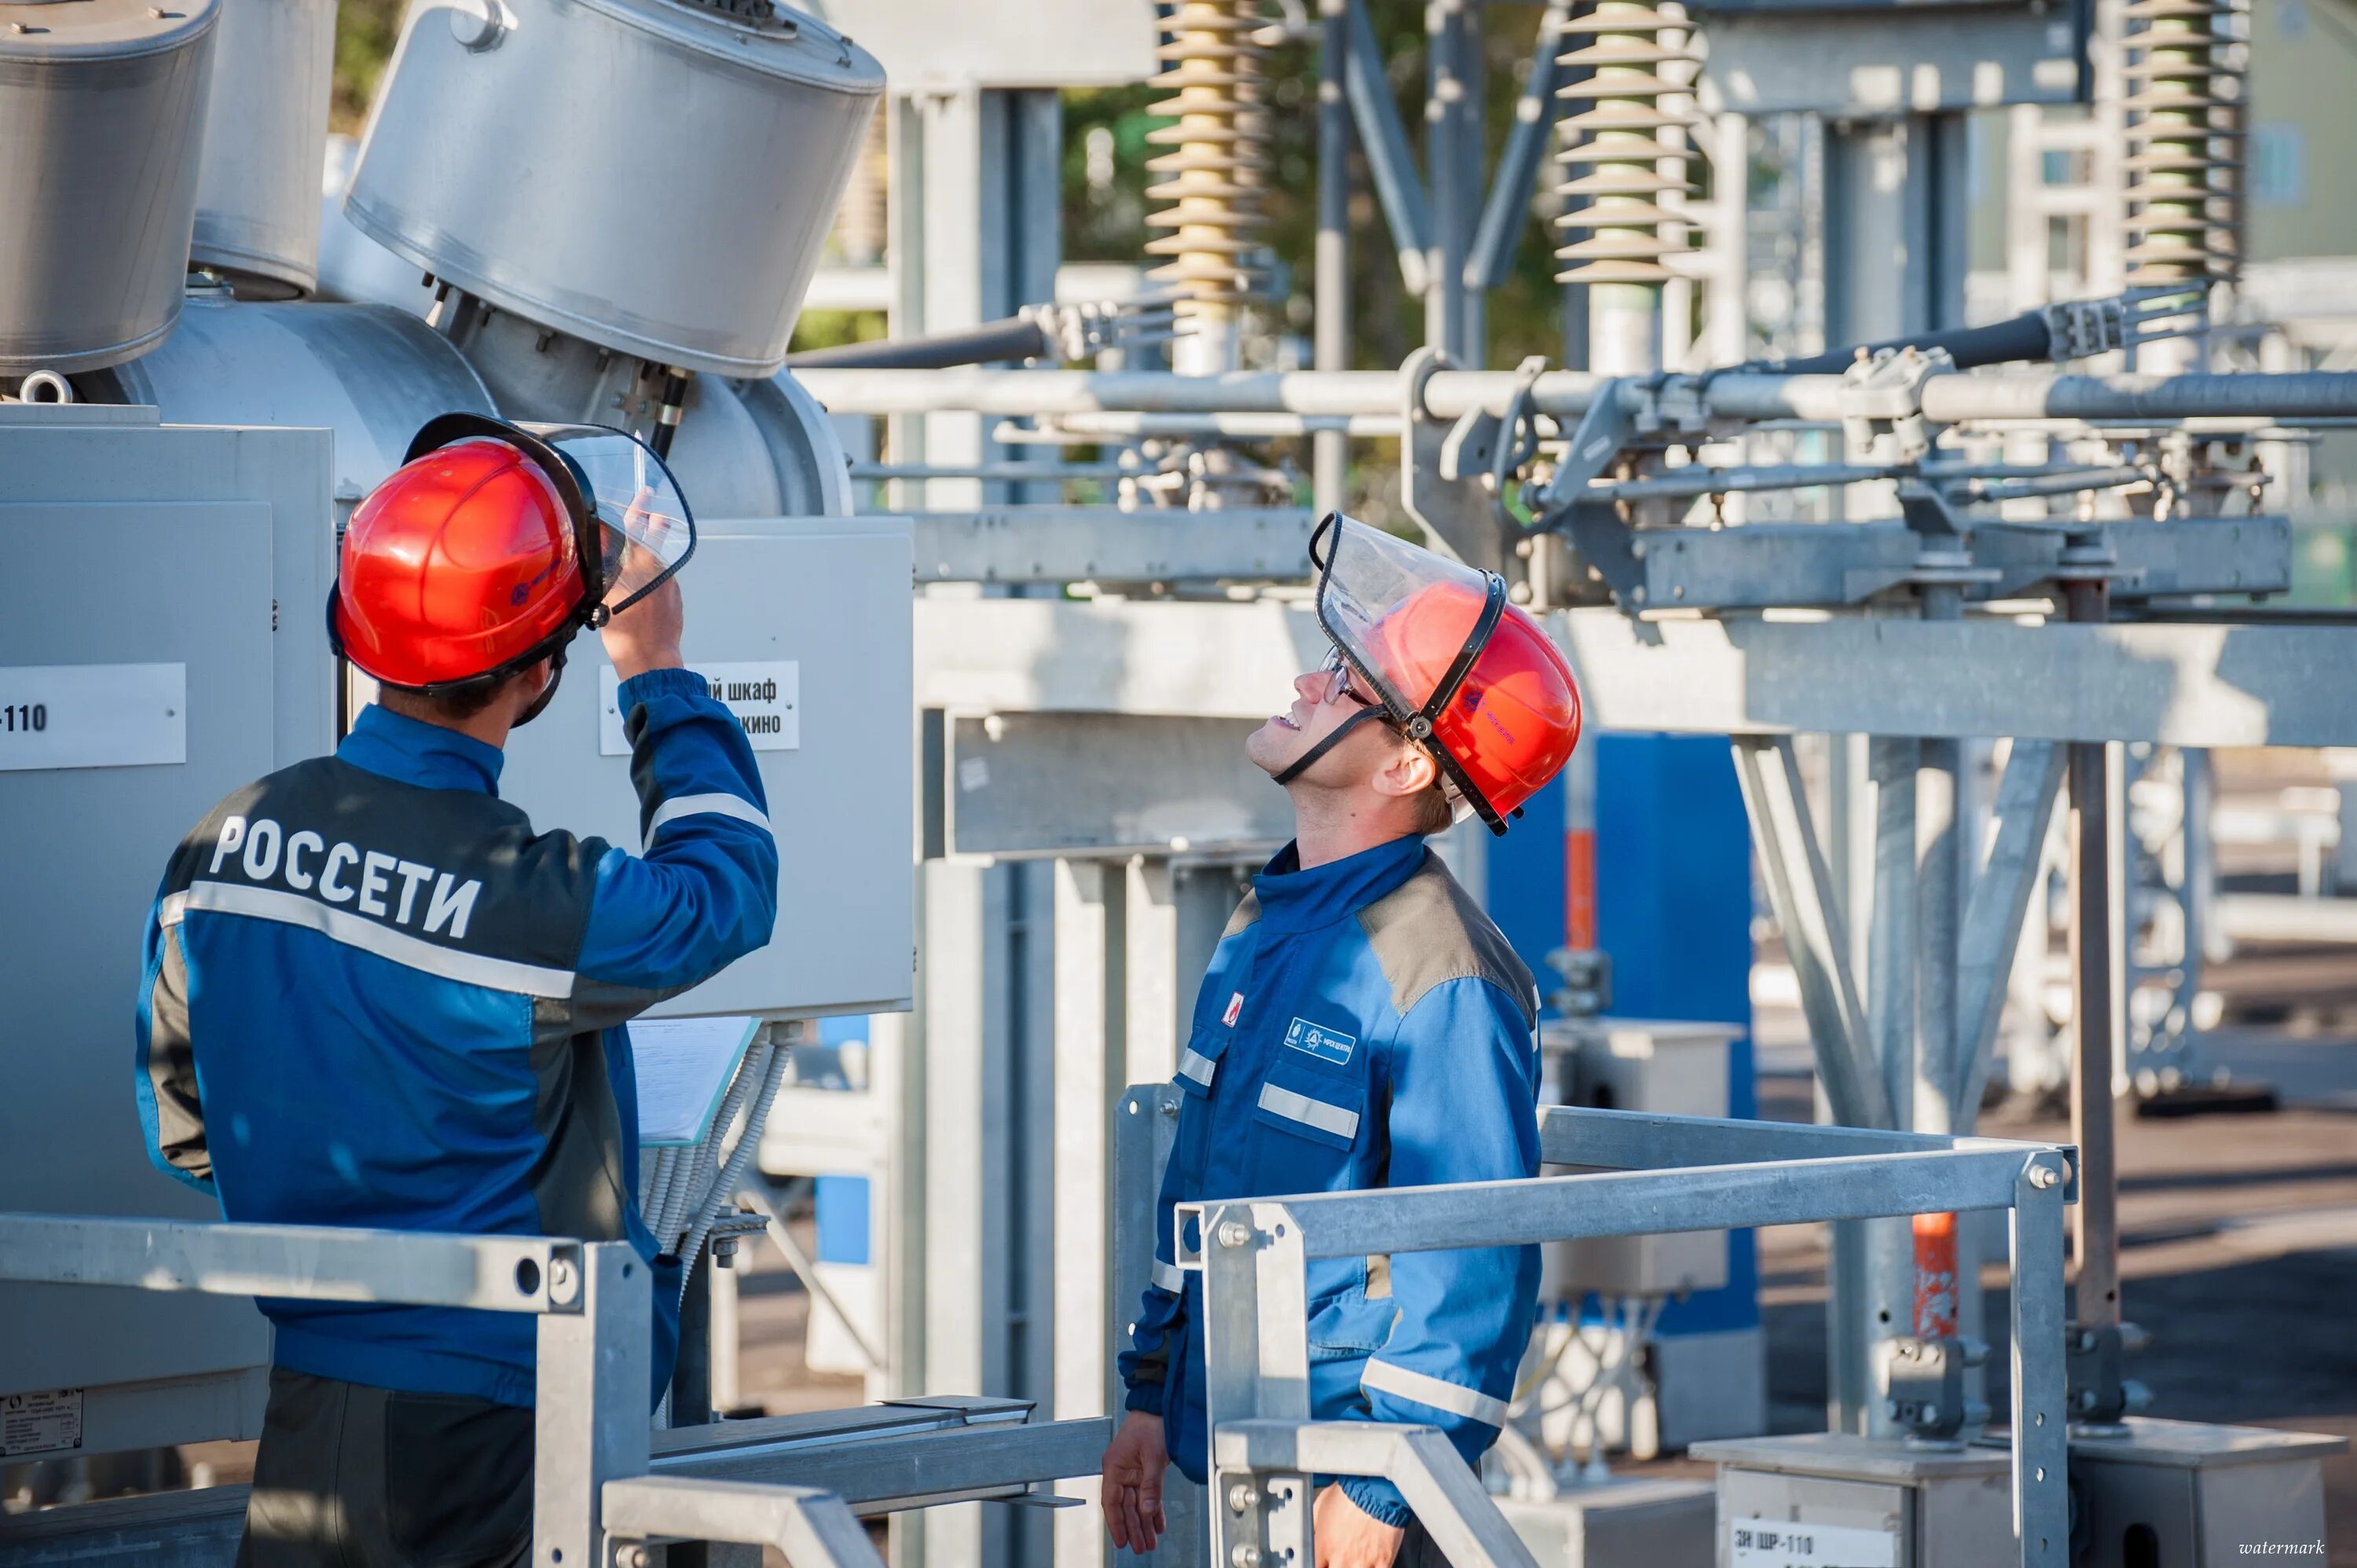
<point x="376" y="997"/>
<point x="1364" y="1024"/>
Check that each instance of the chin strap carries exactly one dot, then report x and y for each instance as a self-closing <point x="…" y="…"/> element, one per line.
<point x="1328" y="744"/>
<point x="547" y="692"/>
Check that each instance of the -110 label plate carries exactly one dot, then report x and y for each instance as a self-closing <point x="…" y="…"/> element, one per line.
<point x="93" y="716"/>
<point x="1786" y="1544"/>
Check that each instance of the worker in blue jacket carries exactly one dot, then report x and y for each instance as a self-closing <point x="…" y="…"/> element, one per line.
<point x="1364" y="1024"/>
<point x="376" y="996"/>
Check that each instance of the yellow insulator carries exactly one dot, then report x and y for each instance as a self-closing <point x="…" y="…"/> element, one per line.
<point x="2186" y="109"/>
<point x="1213" y="175"/>
<point x="1634" y="172"/>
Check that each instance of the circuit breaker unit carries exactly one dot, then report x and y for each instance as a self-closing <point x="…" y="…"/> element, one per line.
<point x="1830" y="1497"/>
<point x="2177" y="1494"/>
<point x="163" y="646"/>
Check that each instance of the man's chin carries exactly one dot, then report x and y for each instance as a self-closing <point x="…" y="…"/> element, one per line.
<point x="1273" y="747"/>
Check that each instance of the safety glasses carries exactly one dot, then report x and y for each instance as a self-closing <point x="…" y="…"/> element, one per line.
<point x="1338" y="681"/>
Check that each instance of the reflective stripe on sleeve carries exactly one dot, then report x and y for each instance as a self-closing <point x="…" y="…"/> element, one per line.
<point x="1169" y="1277"/>
<point x="680" y="805"/>
<point x="356" y="932"/>
<point x="1310" y="1112"/>
<point x="1194" y="1064"/>
<point x="1382" y="1377"/>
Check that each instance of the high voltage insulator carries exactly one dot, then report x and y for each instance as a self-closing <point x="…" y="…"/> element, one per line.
<point x="1219" y="165"/>
<point x="2185" y="127"/>
<point x="1621" y="200"/>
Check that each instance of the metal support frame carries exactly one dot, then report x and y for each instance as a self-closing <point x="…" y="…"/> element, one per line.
<point x="1254" y="1257"/>
<point x="1816" y="935"/>
<point x="1330" y="449"/>
<point x="599" y="1480"/>
<point x="812" y="1527"/>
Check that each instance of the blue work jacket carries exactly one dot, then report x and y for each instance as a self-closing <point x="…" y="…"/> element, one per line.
<point x="1362" y="1025"/>
<point x="375" y="996"/>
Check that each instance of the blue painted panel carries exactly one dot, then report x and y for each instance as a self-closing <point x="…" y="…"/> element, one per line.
<point x="1673" y="908"/>
<point x="1525" y="875"/>
<point x="843" y="1030"/>
<point x="842" y="1219"/>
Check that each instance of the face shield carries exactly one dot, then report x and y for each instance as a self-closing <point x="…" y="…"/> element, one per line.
<point x="1409" y="625"/>
<point x="642" y="531"/>
<point x="1410" y="622"/>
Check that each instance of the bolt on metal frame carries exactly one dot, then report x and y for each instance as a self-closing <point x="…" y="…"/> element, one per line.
<point x="1655" y="1173"/>
<point x="598" y="1495"/>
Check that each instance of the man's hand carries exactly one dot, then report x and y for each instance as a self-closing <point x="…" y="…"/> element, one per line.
<point x="1349" y="1537"/>
<point x="1134" y="1463"/>
<point x="646" y="636"/>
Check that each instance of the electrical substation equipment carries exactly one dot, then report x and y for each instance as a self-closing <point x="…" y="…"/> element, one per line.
<point x="98" y="99"/>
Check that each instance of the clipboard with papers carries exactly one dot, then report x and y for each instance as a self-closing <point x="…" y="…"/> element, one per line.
<point x="685" y="1067"/>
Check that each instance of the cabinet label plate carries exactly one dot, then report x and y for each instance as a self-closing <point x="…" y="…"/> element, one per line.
<point x="766" y="696"/>
<point x="45" y="1422"/>
<point x="93" y="716"/>
<point x="1784" y="1544"/>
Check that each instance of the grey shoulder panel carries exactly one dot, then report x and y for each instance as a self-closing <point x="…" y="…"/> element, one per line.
<point x="1428" y="930"/>
<point x="1247" y="914"/>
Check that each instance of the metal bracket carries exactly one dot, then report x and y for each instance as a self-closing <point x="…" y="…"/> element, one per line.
<point x="1597" y="530"/>
<point x="1883" y="398"/>
<point x="1587" y="981"/>
<point x="1444" y="474"/>
<point x="2094" y="1355"/>
<point x="1924" y="1387"/>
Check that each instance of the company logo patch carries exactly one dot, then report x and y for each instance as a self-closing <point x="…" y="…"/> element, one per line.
<point x="1325" y="1044"/>
<point x="1235" y="1009"/>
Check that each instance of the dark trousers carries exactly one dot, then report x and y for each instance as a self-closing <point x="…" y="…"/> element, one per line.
<point x="352" y="1476"/>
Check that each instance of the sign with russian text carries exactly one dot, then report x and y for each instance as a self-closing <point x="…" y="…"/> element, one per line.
<point x="765" y="696"/>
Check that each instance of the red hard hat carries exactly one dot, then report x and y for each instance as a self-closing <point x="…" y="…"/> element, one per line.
<point x="1513" y="719"/>
<point x="494" y="543"/>
<point x="463" y="562"/>
<point x="1457" y="668"/>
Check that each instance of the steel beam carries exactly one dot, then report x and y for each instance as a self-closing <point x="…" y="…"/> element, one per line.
<point x="1368" y="86"/>
<point x="2041" y="1500"/>
<point x="2178" y="683"/>
<point x="2000" y="900"/>
<point x="1636" y="1203"/>
<point x="1106" y="785"/>
<point x="1648" y="1140"/>
<point x="884" y="1475"/>
<point x="589" y="1410"/>
<point x="1868" y="64"/>
<point x="1947" y="400"/>
<point x="813" y="1529"/>
<point x="1774" y="565"/>
<point x="487" y="1273"/>
<point x="1070" y="544"/>
<point x="1330" y="449"/>
<point x="1814" y="935"/>
<point x="1256" y="1362"/>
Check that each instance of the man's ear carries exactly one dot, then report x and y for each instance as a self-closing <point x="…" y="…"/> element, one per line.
<point x="1411" y="771"/>
<point x="529" y="683"/>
